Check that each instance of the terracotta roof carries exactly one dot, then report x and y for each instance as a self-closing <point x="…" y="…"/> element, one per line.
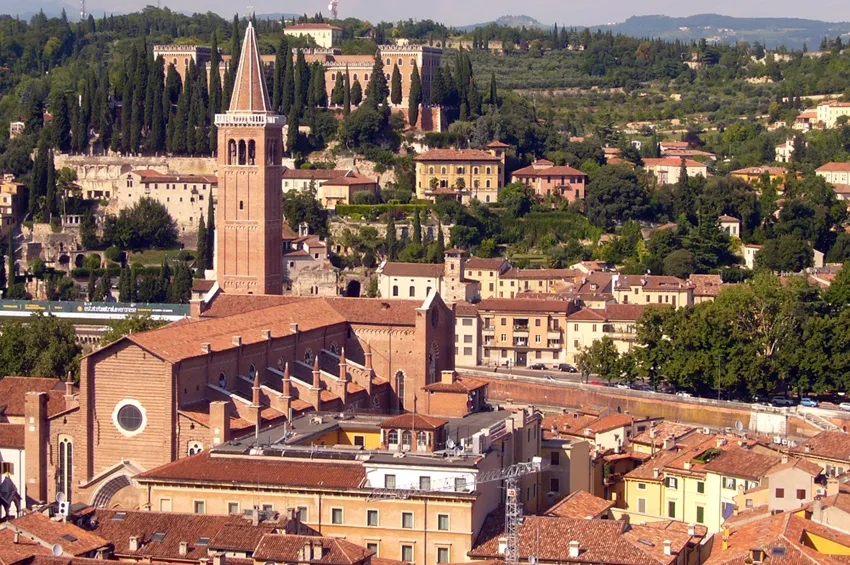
<point x="202" y="285"/>
<point x="781" y="537"/>
<point x="13" y="392"/>
<point x="497" y="144"/>
<point x="461" y="385"/>
<point x="11" y="552"/>
<point x="12" y="436"/>
<point x="553" y="171"/>
<point x="829" y="445"/>
<point x="570" y="424"/>
<point x="600" y="541"/>
<point x="204" y="468"/>
<point x="288" y="548"/>
<point x="202" y="532"/>
<point x="700" y="531"/>
<point x="523" y="305"/>
<point x="834" y="167"/>
<point x="351" y="178"/>
<point x="675" y="144"/>
<point x="535" y="274"/>
<point x="614" y="312"/>
<point x="485" y="264"/>
<point x="287" y="232"/>
<point x="466" y="309"/>
<point x="249" y="87"/>
<point x="580" y="504"/>
<point x="651" y="282"/>
<point x="804" y="465"/>
<point x="396" y="269"/>
<point x="311" y="174"/>
<point x="728" y="219"/>
<point x="456" y="155"/>
<point x="707" y="285"/>
<point x="611" y="422"/>
<point x="411" y="421"/>
<point x="247" y="316"/>
<point x="739" y="462"/>
<point x="841" y="188"/>
<point x="662" y="430"/>
<point x="760" y="171"/>
<point x="73" y="539"/>
<point x="311" y="26"/>
<point x="155" y="178"/>
<point x="671" y="162"/>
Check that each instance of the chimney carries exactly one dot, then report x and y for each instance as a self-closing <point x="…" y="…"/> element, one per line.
<point x="784" y="458"/>
<point x="134" y="543"/>
<point x="293" y="327"/>
<point x="267" y="334"/>
<point x="16" y="537"/>
<point x="287" y="392"/>
<point x="669" y="442"/>
<point x="655" y="473"/>
<point x="69" y="393"/>
<point x="817" y="511"/>
<point x="721" y="441"/>
<point x="668" y="547"/>
<point x="687" y="465"/>
<point x="237" y="341"/>
<point x="448" y="377"/>
<point x="808" y="449"/>
<point x="692" y="530"/>
<point x="219" y="558"/>
<point x="653" y="433"/>
<point x="184" y="548"/>
<point x="308" y="551"/>
<point x="725" y="545"/>
<point x="574" y="549"/>
<point x="255" y="516"/>
<point x="206" y="348"/>
<point x="503" y="545"/>
<point x="220" y="421"/>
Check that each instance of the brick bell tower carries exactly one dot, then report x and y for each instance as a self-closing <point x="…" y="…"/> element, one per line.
<point x="249" y="257"/>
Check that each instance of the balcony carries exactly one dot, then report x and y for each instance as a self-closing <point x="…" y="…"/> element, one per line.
<point x="553" y="333"/>
<point x="521" y="330"/>
<point x="520" y="342"/>
<point x="554" y="344"/>
<point x="488" y="331"/>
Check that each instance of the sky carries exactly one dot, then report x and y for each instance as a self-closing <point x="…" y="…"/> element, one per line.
<point x="462" y="12"/>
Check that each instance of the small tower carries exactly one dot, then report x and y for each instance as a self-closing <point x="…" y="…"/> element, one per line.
<point x="249" y="258"/>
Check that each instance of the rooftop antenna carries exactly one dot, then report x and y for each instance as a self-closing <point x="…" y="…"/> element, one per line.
<point x="333" y="6"/>
<point x="83" y="13"/>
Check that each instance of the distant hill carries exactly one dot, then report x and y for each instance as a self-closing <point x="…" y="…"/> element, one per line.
<point x="510" y="21"/>
<point x="52" y="8"/>
<point x="276" y="16"/>
<point x="772" y="32"/>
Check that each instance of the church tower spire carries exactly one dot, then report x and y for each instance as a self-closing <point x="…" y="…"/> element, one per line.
<point x="249" y="256"/>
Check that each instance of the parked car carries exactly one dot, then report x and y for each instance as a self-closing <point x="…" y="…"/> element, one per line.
<point x="566" y="368"/>
<point x="684" y="394"/>
<point x="596" y="383"/>
<point x="781" y="401"/>
<point x="623" y="385"/>
<point x="809" y="402"/>
<point x="537" y="366"/>
<point x="845" y="406"/>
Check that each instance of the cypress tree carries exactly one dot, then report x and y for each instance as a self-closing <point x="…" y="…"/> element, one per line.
<point x="494" y="96"/>
<point x="123" y="285"/>
<point x="377" y="90"/>
<point x="39" y="176"/>
<point x="137" y="116"/>
<point x="302" y="82"/>
<point x="90" y="287"/>
<point x="50" y="198"/>
<point x="391" y="238"/>
<point x="214" y="92"/>
<point x="438" y="88"/>
<point x="292" y="131"/>
<point x="338" y="93"/>
<point x="156" y="137"/>
<point x="180" y="121"/>
<point x="235" y="44"/>
<point x="318" y="94"/>
<point x="201" y="260"/>
<point x="288" y="91"/>
<point x="395" y="91"/>
<point x="210" y="234"/>
<point x="439" y="252"/>
<point x="356" y="93"/>
<point x="346" y="93"/>
<point x="414" y="97"/>
<point x="417" y="228"/>
<point x="126" y="115"/>
<point x="2" y="275"/>
<point x="281" y="59"/>
<point x="200" y="100"/>
<point x="133" y="285"/>
<point x="106" y="121"/>
<point x="62" y="124"/>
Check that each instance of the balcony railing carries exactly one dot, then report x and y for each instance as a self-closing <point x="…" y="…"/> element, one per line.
<point x="520" y="342"/>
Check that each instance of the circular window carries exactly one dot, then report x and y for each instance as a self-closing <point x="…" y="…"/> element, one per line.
<point x="130" y="418"/>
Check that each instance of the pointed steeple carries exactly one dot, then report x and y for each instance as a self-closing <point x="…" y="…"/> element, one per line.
<point x="249" y="89"/>
<point x="343" y="366"/>
<point x="255" y="401"/>
<point x="286" y="383"/>
<point x="317" y="382"/>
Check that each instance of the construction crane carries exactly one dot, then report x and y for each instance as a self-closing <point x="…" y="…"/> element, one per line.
<point x="513" y="508"/>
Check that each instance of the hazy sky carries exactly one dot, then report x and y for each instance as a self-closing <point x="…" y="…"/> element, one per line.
<point x="459" y="12"/>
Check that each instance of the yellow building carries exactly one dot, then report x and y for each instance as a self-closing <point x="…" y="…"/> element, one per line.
<point x="653" y="289"/>
<point x="325" y="35"/>
<point x="538" y="281"/>
<point x="829" y="111"/>
<point x="755" y="174"/>
<point x="487" y="272"/>
<point x="617" y="321"/>
<point x="342" y="189"/>
<point x="523" y="332"/>
<point x="464" y="174"/>
<point x="11" y="194"/>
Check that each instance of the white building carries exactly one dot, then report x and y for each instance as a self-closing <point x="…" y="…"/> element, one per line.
<point x="835" y="173"/>
<point x="415" y="281"/>
<point x="830" y="110"/>
<point x="749" y="252"/>
<point x="666" y="169"/>
<point x="732" y="226"/>
<point x="325" y="35"/>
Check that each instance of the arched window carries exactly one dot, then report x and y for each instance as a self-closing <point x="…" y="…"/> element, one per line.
<point x="252" y="152"/>
<point x="333" y="76"/>
<point x="430" y="170"/>
<point x="392" y="437"/>
<point x="487" y="170"/>
<point x="252" y="371"/>
<point x="443" y="170"/>
<point x="195" y="447"/>
<point x="231" y="152"/>
<point x="366" y="76"/>
<point x="241" y="205"/>
<point x="271" y="152"/>
<point x="400" y="62"/>
<point x="487" y="183"/>
<point x="222" y="380"/>
<point x="412" y="291"/>
<point x="65" y="469"/>
<point x="400" y="389"/>
<point x="389" y="62"/>
<point x="474" y="170"/>
<point x="308" y="356"/>
<point x="395" y="290"/>
<point x="422" y="439"/>
<point x="406" y="438"/>
<point x="355" y="76"/>
<point x="241" y="151"/>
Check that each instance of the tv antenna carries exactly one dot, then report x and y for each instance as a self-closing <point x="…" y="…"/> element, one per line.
<point x="333" y="6"/>
<point x="83" y="14"/>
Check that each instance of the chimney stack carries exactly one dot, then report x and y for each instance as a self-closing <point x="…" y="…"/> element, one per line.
<point x="17" y="536"/>
<point x="237" y="341"/>
<point x="784" y="458"/>
<point x="692" y="530"/>
<point x="184" y="548"/>
<point x="220" y="558"/>
<point x="655" y="473"/>
<point x="206" y="348"/>
<point x="575" y="549"/>
<point x="134" y="543"/>
<point x="293" y="327"/>
<point x="503" y="545"/>
<point x="220" y="421"/>
<point x="668" y="547"/>
<point x="343" y="366"/>
<point x="267" y="334"/>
